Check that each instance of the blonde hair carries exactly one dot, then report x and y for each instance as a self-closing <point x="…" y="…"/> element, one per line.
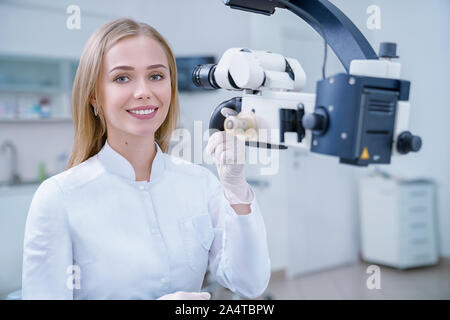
<point x="90" y="130"/>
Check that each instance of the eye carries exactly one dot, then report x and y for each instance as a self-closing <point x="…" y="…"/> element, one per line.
<point x="155" y="77"/>
<point x="120" y="81"/>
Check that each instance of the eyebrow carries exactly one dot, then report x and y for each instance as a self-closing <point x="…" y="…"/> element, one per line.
<point x="153" y="66"/>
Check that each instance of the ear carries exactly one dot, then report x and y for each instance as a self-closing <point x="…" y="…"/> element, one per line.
<point x="93" y="102"/>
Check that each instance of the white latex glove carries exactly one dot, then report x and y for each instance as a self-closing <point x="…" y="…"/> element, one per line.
<point x="181" y="295"/>
<point x="228" y="154"/>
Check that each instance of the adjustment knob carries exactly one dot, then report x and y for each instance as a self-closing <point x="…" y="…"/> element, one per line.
<point x="317" y="121"/>
<point x="313" y="121"/>
<point x="407" y="142"/>
<point x="388" y="50"/>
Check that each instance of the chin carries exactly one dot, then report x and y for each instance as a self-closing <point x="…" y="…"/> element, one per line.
<point x="143" y="133"/>
<point x="138" y="129"/>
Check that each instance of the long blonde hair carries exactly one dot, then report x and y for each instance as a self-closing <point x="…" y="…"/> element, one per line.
<point x="90" y="130"/>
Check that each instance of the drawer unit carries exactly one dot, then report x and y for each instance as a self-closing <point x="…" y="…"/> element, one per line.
<point x="398" y="222"/>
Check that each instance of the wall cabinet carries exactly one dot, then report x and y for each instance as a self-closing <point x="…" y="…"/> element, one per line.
<point x="33" y="88"/>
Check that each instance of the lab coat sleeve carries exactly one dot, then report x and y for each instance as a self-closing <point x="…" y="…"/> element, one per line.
<point x="239" y="257"/>
<point x="47" y="251"/>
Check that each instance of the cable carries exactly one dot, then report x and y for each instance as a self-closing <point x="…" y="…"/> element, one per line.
<point x="306" y="16"/>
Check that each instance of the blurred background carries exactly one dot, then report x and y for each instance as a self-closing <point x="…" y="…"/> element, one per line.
<point x="334" y="231"/>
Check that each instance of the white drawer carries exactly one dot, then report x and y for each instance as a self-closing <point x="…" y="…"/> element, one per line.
<point x="419" y="244"/>
<point x="421" y="258"/>
<point x="415" y="194"/>
<point x="416" y="212"/>
<point x="416" y="229"/>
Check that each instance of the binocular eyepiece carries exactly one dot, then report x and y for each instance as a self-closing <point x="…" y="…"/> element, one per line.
<point x="203" y="76"/>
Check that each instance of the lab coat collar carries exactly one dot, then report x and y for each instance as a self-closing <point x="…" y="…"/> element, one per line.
<point x="117" y="164"/>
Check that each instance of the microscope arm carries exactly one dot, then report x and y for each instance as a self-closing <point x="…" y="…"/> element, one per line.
<point x="347" y="42"/>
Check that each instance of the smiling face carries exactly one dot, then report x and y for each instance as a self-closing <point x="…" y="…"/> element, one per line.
<point x="135" y="75"/>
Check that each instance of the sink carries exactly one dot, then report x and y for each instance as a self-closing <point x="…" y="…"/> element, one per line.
<point x="4" y="184"/>
<point x="23" y="188"/>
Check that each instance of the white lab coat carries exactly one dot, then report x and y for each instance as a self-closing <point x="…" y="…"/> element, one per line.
<point x="93" y="232"/>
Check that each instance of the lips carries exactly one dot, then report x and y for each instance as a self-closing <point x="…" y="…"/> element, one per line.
<point x="143" y="112"/>
<point x="143" y="108"/>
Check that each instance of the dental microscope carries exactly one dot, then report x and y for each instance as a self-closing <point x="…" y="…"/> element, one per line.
<point x="360" y="116"/>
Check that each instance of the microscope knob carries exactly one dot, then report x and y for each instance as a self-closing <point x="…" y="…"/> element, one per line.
<point x="317" y="121"/>
<point x="313" y="121"/>
<point x="408" y="142"/>
<point x="388" y="50"/>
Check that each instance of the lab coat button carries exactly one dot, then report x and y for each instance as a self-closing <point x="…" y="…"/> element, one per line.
<point x="163" y="280"/>
<point x="142" y="187"/>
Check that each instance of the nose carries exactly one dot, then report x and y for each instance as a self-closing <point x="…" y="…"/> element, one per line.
<point x="143" y="90"/>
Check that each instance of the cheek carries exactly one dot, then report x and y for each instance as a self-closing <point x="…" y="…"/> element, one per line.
<point x="114" y="98"/>
<point x="167" y="94"/>
<point x="113" y="92"/>
<point x="166" y="99"/>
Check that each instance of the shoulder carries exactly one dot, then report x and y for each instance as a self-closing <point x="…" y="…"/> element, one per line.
<point x="47" y="204"/>
<point x="49" y="196"/>
<point x="48" y="191"/>
<point x="79" y="175"/>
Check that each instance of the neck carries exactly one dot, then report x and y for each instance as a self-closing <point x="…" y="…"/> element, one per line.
<point x="139" y="151"/>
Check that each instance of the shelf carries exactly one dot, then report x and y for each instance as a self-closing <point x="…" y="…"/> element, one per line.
<point x="38" y="120"/>
<point x="29" y="89"/>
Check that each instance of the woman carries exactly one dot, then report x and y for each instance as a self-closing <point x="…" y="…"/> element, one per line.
<point x="125" y="221"/>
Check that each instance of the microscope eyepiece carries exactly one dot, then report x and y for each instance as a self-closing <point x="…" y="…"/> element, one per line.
<point x="203" y="76"/>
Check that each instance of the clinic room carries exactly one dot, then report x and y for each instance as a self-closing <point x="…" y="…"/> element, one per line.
<point x="224" y="149"/>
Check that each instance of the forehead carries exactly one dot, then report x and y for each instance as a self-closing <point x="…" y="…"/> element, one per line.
<point x="137" y="51"/>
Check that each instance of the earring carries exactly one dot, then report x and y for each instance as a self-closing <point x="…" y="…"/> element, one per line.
<point x="95" y="110"/>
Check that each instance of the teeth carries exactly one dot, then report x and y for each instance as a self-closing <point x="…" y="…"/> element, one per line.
<point x="148" y="111"/>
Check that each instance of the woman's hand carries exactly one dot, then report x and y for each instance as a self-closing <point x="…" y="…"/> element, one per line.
<point x="181" y="295"/>
<point x="228" y="154"/>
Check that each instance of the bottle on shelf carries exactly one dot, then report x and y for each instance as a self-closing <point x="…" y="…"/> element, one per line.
<point x="8" y="106"/>
<point x="42" y="172"/>
<point x="45" y="109"/>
